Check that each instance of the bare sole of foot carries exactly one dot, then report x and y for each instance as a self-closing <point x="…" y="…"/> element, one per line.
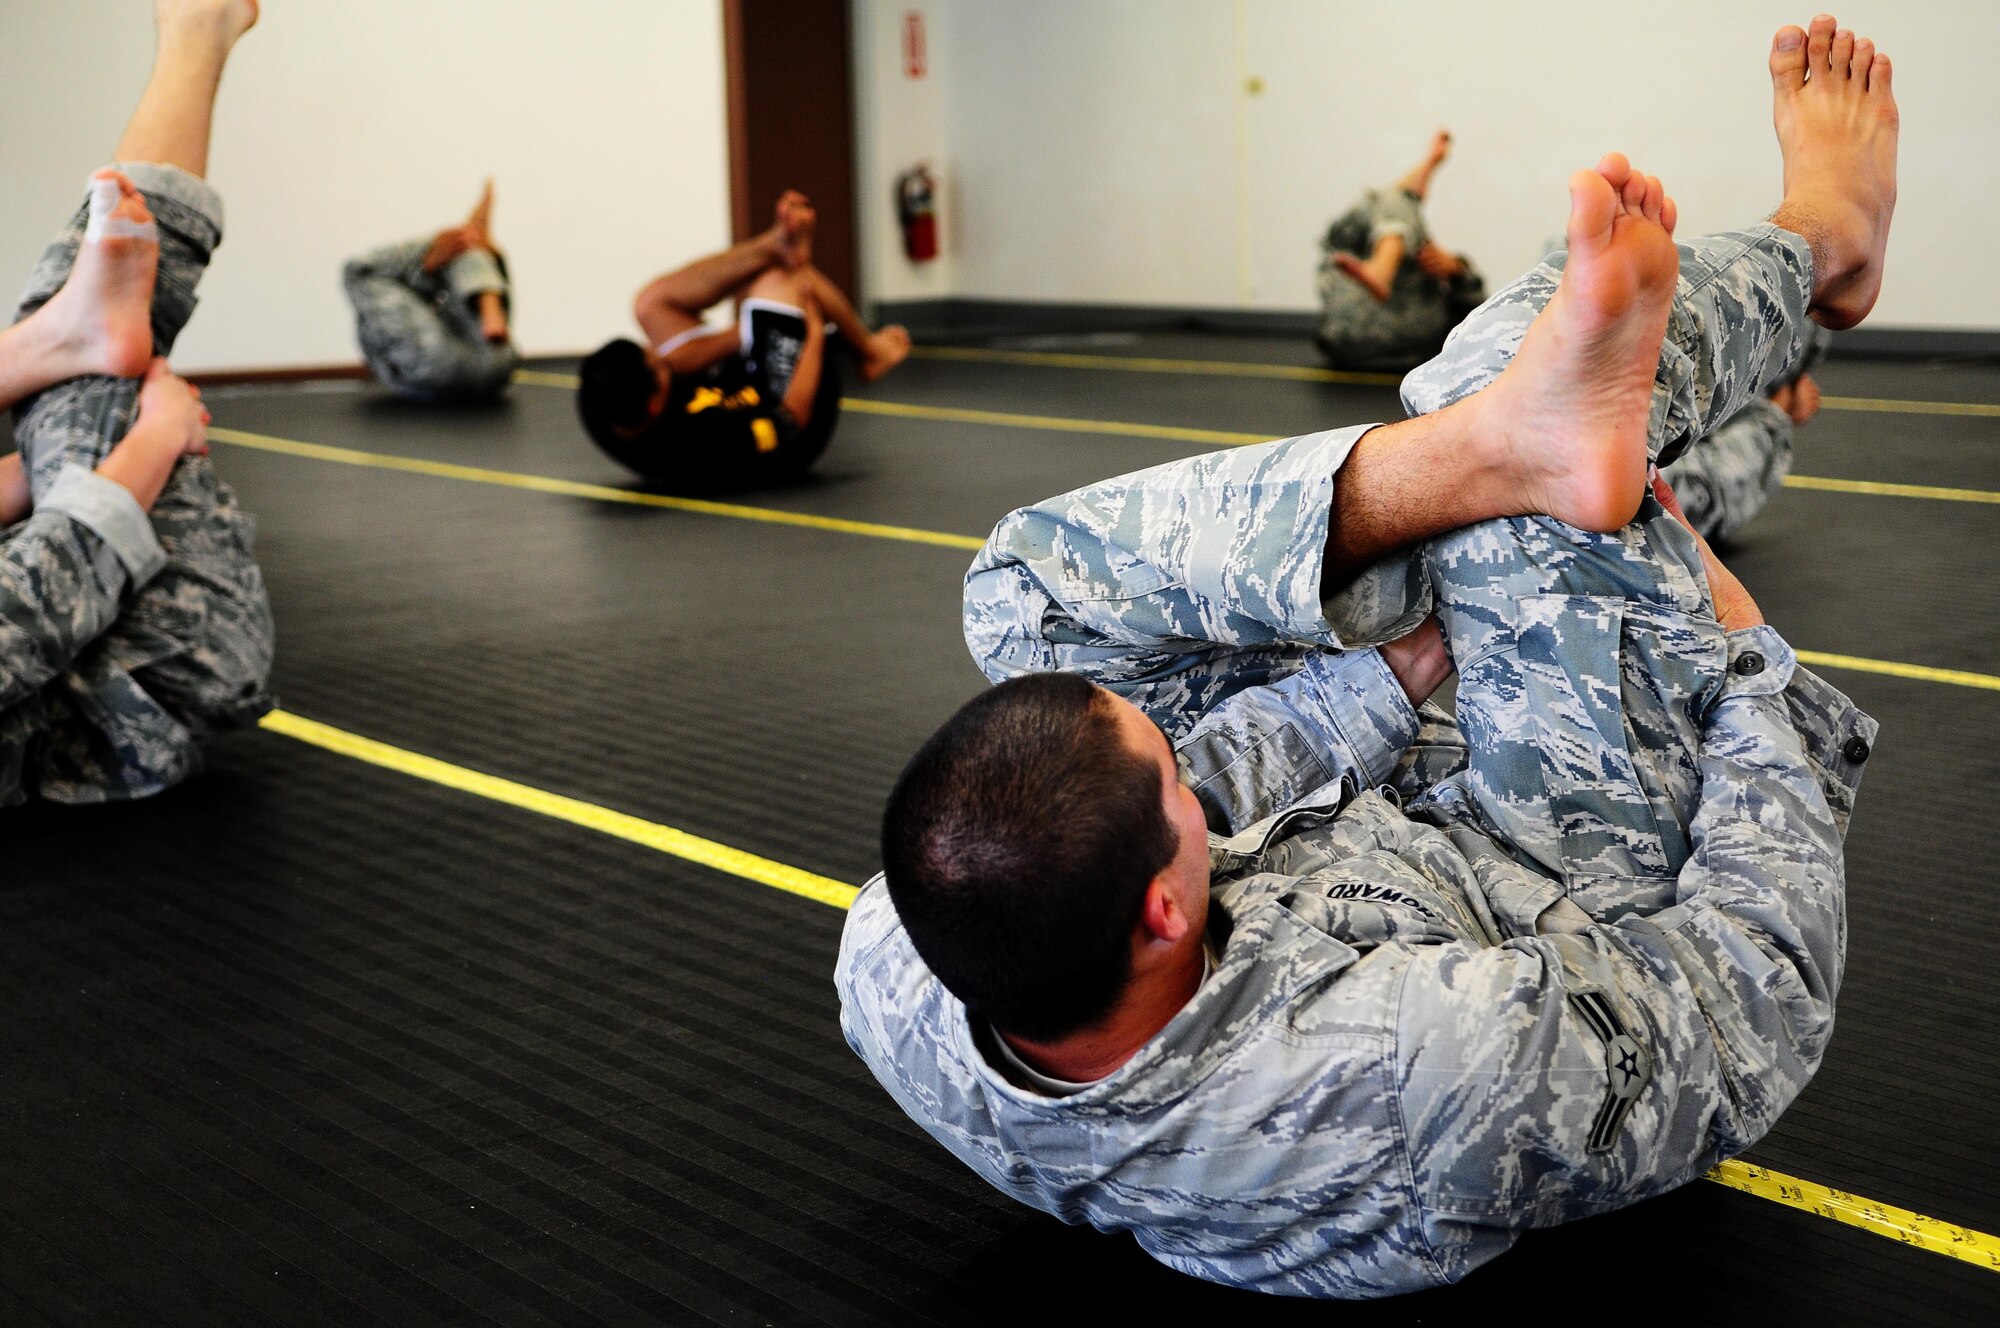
<point x="890" y="348"/>
<point x="1358" y="270"/>
<point x="101" y="321"/>
<point x="1567" y="420"/>
<point x="1837" y="123"/>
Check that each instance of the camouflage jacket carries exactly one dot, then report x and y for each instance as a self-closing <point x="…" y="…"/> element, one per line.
<point x="64" y="575"/>
<point x="1413" y="1046"/>
<point x="419" y="330"/>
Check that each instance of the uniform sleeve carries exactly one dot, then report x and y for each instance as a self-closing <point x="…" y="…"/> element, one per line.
<point x="1590" y="1066"/>
<point x="63" y="572"/>
<point x="1342" y="716"/>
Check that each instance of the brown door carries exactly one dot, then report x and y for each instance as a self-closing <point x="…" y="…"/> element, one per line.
<point x="791" y="120"/>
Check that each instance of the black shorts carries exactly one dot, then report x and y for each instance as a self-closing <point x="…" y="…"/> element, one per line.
<point x="727" y="427"/>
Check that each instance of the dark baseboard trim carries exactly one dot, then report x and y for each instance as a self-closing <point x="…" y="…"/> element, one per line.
<point x="306" y="373"/>
<point x="960" y="318"/>
<point x="298" y="373"/>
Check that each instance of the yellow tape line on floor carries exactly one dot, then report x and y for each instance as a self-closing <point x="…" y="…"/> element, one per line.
<point x="601" y="493"/>
<point x="1153" y="364"/>
<point x="1898" y="1223"/>
<point x="664" y="838"/>
<point x="1892" y="406"/>
<point x="1921" y="672"/>
<point x="1926" y="1233"/>
<point x="1236" y="438"/>
<point x="573" y="489"/>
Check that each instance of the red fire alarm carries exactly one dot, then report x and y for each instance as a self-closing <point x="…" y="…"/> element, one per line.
<point x="914" y="56"/>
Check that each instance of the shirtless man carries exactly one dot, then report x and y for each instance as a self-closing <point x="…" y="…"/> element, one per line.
<point x="756" y="403"/>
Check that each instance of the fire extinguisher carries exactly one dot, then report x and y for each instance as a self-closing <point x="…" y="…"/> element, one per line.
<point x="916" y="209"/>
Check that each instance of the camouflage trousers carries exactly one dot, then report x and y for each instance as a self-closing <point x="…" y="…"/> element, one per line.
<point x="420" y="332"/>
<point x="1586" y="660"/>
<point x="1726" y="478"/>
<point x="190" y="654"/>
<point x="1357" y="331"/>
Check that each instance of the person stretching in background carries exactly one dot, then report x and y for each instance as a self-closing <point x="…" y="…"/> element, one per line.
<point x="1388" y="292"/>
<point x="756" y="403"/>
<point x="134" y="624"/>
<point x="1727" y="477"/>
<point x="431" y="313"/>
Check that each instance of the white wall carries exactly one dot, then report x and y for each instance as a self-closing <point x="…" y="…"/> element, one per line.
<point x="346" y="123"/>
<point x="1108" y="151"/>
<point x="900" y="121"/>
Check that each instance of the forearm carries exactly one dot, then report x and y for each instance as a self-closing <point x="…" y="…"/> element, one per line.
<point x="142" y="462"/>
<point x="62" y="575"/>
<point x="803" y="390"/>
<point x="15" y="497"/>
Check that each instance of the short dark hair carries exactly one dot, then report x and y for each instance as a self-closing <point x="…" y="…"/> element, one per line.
<point x="615" y="390"/>
<point x="1018" y="845"/>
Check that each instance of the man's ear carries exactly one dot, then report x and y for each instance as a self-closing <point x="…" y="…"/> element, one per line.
<point x="1161" y="917"/>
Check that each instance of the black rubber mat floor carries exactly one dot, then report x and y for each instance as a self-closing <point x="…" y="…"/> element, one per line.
<point x="312" y="1041"/>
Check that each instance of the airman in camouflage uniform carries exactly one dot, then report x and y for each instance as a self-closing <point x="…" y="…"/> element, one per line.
<point x="419" y="327"/>
<point x="1562" y="955"/>
<point x="122" y="655"/>
<point x="1358" y="331"/>
<point x="1727" y="478"/>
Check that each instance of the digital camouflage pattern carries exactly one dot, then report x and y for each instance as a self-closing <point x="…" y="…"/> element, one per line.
<point x="1357" y="331"/>
<point x="419" y="331"/>
<point x="1726" y="478"/>
<point x="1470" y="982"/>
<point x="187" y="656"/>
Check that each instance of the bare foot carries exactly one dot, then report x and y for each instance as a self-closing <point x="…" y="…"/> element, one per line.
<point x="792" y="232"/>
<point x="101" y="321"/>
<point x="1439" y="262"/>
<point x="1804" y="400"/>
<point x="480" y="222"/>
<point x="1566" y="421"/>
<point x="1440" y="149"/>
<point x="886" y="349"/>
<point x="1837" y="127"/>
<point x="224" y="19"/>
<point x="1374" y="283"/>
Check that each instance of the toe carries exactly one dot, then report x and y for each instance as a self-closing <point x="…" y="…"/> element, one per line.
<point x="1819" y="39"/>
<point x="1878" y="74"/>
<point x="1656" y="194"/>
<point x="1593" y="202"/>
<point x="1633" y="195"/>
<point x="1864" y="56"/>
<point x="1615" y="169"/>
<point x="1788" y="58"/>
<point x="1840" y="56"/>
<point x="1670" y="215"/>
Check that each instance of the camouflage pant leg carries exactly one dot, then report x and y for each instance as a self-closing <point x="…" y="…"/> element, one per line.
<point x="1738" y="326"/>
<point x="1586" y="660"/>
<point x="417" y="347"/>
<point x="191" y="653"/>
<point x="1727" y="478"/>
<point x="1179" y="586"/>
